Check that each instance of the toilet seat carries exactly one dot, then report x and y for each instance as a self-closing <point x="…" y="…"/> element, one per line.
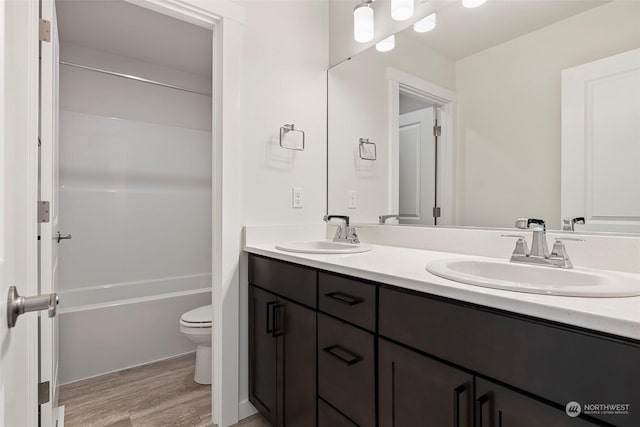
<point x="197" y="318"/>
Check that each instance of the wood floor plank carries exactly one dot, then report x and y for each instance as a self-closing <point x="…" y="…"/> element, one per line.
<point x="155" y="395"/>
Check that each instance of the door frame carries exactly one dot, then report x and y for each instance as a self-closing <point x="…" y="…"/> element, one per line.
<point x="446" y="100"/>
<point x="226" y="20"/>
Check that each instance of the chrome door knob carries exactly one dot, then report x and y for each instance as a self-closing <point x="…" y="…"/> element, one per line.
<point x="17" y="305"/>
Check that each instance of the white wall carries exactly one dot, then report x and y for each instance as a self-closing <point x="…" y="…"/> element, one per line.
<point x="509" y="114"/>
<point x="359" y="108"/>
<point x="285" y="59"/>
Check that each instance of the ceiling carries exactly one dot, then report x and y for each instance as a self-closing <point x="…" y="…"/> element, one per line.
<point x="461" y="32"/>
<point x="120" y="28"/>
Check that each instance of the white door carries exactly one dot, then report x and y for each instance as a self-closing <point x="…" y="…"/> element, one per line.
<point x="601" y="143"/>
<point x="49" y="240"/>
<point x="417" y="167"/>
<point x="18" y="192"/>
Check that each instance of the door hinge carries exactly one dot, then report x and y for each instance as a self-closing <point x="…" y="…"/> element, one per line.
<point x="436" y="212"/>
<point x="437" y="130"/>
<point x="45" y="30"/>
<point x="43" y="392"/>
<point x="43" y="211"/>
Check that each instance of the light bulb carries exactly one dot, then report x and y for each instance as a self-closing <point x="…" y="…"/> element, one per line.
<point x="387" y="44"/>
<point x="363" y="23"/>
<point x="473" y="3"/>
<point x="425" y="24"/>
<point x="401" y="10"/>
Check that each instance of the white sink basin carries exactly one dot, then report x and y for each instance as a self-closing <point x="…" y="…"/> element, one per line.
<point x="323" y="247"/>
<point x="578" y="282"/>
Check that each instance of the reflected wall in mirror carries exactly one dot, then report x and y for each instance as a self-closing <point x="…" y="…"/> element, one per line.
<point x="499" y="112"/>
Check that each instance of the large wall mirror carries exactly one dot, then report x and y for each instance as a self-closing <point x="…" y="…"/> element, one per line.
<point x="517" y="108"/>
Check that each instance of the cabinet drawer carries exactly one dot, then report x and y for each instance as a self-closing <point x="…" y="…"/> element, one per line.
<point x="346" y="369"/>
<point x="290" y="281"/>
<point x="348" y="299"/>
<point x="329" y="417"/>
<point x="554" y="362"/>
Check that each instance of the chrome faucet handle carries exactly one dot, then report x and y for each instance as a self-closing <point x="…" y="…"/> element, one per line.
<point x="382" y="219"/>
<point x="344" y="218"/>
<point x="524" y="223"/>
<point x="559" y="252"/>
<point x="568" y="224"/>
<point x="521" y="248"/>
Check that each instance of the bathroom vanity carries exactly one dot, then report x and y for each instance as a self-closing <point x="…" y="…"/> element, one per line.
<point x="333" y="349"/>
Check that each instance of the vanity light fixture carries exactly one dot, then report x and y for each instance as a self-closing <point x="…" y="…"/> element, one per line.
<point x="473" y="3"/>
<point x="387" y="44"/>
<point x="363" y="22"/>
<point x="425" y="24"/>
<point x="401" y="10"/>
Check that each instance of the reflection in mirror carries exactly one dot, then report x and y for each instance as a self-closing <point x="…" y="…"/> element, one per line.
<point x="513" y="109"/>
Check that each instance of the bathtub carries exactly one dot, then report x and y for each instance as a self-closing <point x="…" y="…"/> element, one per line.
<point x="107" y="328"/>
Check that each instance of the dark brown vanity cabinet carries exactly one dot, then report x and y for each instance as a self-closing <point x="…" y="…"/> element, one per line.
<point x="282" y="351"/>
<point x="384" y="356"/>
<point x="416" y="390"/>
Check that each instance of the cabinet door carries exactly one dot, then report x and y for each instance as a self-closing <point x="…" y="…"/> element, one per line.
<point x="497" y="406"/>
<point x="263" y="371"/>
<point x="418" y="391"/>
<point x="296" y="327"/>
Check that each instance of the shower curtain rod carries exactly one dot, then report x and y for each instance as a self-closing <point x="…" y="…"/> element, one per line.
<point x="136" y="78"/>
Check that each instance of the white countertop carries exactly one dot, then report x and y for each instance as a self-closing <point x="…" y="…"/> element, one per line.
<point x="405" y="268"/>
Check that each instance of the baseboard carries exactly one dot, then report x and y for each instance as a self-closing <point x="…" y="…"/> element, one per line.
<point x="246" y="409"/>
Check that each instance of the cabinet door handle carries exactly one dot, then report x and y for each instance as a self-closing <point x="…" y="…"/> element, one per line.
<point x="270" y="316"/>
<point x="278" y="326"/>
<point x="456" y="403"/>
<point x="343" y="298"/>
<point x="480" y="402"/>
<point x="342" y="354"/>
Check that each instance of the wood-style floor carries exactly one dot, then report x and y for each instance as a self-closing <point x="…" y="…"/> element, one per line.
<point x="154" y="395"/>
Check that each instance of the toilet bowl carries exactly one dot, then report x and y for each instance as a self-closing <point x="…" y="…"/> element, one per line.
<point x="196" y="325"/>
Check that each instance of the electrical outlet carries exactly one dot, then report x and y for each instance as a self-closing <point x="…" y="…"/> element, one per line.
<point x="353" y="199"/>
<point x="298" y="197"/>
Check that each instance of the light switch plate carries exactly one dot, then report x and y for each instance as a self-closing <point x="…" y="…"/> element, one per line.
<point x="353" y="199"/>
<point x="298" y="197"/>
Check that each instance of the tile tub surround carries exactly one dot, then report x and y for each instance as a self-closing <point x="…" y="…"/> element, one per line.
<point x="405" y="267"/>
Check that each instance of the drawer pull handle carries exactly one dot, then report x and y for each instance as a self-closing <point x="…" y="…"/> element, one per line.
<point x="344" y="298"/>
<point x="480" y="402"/>
<point x="343" y="354"/>
<point x="278" y="320"/>
<point x="270" y="316"/>
<point x="456" y="404"/>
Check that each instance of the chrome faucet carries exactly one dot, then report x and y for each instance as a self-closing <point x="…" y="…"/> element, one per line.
<point x="539" y="246"/>
<point x="382" y="219"/>
<point x="568" y="224"/>
<point x="345" y="233"/>
<point x="539" y="253"/>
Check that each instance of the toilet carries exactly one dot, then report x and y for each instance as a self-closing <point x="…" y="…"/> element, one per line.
<point x="196" y="325"/>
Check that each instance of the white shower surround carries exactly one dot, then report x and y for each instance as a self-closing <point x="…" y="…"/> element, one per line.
<point x="133" y="266"/>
